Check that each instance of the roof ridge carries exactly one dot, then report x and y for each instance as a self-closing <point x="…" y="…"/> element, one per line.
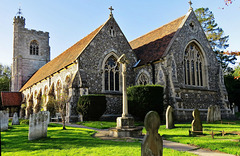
<point x="157" y="29"/>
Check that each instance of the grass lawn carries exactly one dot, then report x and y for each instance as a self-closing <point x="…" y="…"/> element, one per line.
<point x="73" y="141"/>
<point x="228" y="143"/>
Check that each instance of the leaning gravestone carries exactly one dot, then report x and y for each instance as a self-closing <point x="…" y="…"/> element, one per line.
<point x="4" y="116"/>
<point x="38" y="124"/>
<point x="169" y="118"/>
<point x="196" y="123"/>
<point x="152" y="144"/>
<point x="214" y="113"/>
<point x="15" y="120"/>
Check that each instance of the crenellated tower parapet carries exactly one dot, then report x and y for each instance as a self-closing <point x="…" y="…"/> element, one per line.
<point x="31" y="51"/>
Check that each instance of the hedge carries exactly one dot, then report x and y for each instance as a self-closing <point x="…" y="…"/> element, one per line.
<point x="145" y="98"/>
<point x="92" y="106"/>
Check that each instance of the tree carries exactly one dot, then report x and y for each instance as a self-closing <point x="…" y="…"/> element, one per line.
<point x="5" y="77"/>
<point x="236" y="73"/>
<point x="60" y="106"/>
<point x="216" y="37"/>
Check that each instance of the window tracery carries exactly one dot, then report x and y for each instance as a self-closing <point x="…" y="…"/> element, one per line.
<point x="111" y="74"/>
<point x="193" y="65"/>
<point x="143" y="79"/>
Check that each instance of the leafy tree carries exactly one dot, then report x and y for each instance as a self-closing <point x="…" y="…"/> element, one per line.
<point x="233" y="88"/>
<point x="236" y="73"/>
<point x="216" y="37"/>
<point x="5" y="77"/>
<point x="60" y="106"/>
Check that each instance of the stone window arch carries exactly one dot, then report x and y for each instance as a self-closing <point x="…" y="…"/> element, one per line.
<point x="34" y="47"/>
<point x="112" y="32"/>
<point x="111" y="74"/>
<point x="142" y="79"/>
<point x="67" y="84"/>
<point x="59" y="88"/>
<point x="194" y="65"/>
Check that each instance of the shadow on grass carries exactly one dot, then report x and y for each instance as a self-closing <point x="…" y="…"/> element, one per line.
<point x="17" y="140"/>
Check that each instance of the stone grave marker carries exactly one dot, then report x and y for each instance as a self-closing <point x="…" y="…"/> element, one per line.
<point x="152" y="144"/>
<point x="169" y="118"/>
<point x="4" y="116"/>
<point x="15" y="120"/>
<point x="196" y="123"/>
<point x="214" y="113"/>
<point x="38" y="124"/>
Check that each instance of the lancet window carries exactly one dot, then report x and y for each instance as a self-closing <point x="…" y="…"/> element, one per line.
<point x="193" y="65"/>
<point x="111" y="74"/>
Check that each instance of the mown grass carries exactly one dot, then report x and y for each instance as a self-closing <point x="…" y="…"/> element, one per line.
<point x="73" y="141"/>
<point x="103" y="124"/>
<point x="228" y="143"/>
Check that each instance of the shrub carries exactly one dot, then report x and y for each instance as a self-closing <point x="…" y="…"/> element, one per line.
<point x="92" y="106"/>
<point x="145" y="98"/>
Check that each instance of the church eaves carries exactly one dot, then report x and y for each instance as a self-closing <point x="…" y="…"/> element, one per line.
<point x="151" y="46"/>
<point x="61" y="61"/>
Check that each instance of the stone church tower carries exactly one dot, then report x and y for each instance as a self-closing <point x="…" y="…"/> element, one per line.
<point x="31" y="51"/>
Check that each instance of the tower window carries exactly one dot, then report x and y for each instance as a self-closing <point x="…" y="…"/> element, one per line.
<point x="34" y="48"/>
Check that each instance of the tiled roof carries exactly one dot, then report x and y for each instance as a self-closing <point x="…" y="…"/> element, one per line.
<point x="11" y="98"/>
<point x="151" y="46"/>
<point x="62" y="60"/>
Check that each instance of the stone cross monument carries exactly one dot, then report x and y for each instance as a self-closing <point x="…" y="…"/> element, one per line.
<point x="125" y="124"/>
<point x="125" y="121"/>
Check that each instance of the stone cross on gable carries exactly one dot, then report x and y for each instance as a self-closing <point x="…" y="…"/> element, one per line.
<point x="190" y="3"/>
<point x="111" y="9"/>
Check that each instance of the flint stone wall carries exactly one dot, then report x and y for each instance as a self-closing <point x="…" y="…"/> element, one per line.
<point x="38" y="124"/>
<point x="4" y="116"/>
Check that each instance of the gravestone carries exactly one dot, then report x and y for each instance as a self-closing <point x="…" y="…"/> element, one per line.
<point x="196" y="123"/>
<point x="214" y="113"/>
<point x="15" y="120"/>
<point x="38" y="124"/>
<point x="152" y="144"/>
<point x="4" y="116"/>
<point x="169" y="118"/>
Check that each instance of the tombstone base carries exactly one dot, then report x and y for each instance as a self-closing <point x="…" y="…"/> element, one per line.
<point x="125" y="122"/>
<point x="128" y="132"/>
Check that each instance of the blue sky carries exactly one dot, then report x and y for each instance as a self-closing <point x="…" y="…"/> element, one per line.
<point x="67" y="21"/>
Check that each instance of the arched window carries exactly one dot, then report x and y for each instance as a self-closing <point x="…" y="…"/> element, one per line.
<point x="111" y="74"/>
<point x="34" y="47"/>
<point x="143" y="79"/>
<point x="193" y="65"/>
<point x="59" y="88"/>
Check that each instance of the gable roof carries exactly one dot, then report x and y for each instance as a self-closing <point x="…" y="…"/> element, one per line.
<point x="11" y="98"/>
<point x="61" y="61"/>
<point x="151" y="46"/>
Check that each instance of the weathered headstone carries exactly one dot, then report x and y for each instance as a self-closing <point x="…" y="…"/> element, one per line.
<point x="4" y="116"/>
<point x="15" y="120"/>
<point x="214" y="113"/>
<point x="169" y="118"/>
<point x="38" y="124"/>
<point x="196" y="123"/>
<point x="152" y="144"/>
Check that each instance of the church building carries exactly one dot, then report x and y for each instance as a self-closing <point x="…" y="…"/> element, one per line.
<point x="176" y="55"/>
